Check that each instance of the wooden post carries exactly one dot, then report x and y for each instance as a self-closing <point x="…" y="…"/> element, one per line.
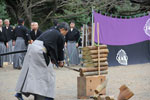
<point x="98" y="49"/>
<point x="93" y="34"/>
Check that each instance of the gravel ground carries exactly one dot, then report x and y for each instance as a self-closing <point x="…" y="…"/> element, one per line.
<point x="136" y="77"/>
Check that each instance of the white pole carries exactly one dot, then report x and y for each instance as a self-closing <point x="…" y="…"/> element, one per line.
<point x="83" y="36"/>
<point x="92" y="35"/>
<point x="86" y="34"/>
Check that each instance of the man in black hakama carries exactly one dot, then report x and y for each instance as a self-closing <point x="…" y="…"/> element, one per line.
<point x="3" y="42"/>
<point x="72" y="43"/>
<point x="9" y="33"/>
<point x="35" y="32"/>
<point x="20" y="39"/>
<point x="37" y="75"/>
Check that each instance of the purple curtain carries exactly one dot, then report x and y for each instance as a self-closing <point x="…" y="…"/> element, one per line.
<point x="115" y="31"/>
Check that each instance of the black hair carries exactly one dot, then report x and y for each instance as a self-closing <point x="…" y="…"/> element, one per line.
<point x="63" y="25"/>
<point x="20" y="21"/>
<point x="55" y="22"/>
<point x="72" y="21"/>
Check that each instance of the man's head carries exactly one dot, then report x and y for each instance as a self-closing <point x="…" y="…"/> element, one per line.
<point x="32" y="25"/>
<point x="1" y="22"/>
<point x="63" y="27"/>
<point x="36" y="26"/>
<point x="72" y="24"/>
<point x="7" y="22"/>
<point x="21" y="21"/>
<point x="55" y="22"/>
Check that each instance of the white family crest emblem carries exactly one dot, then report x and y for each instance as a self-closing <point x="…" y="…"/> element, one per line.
<point x="147" y="27"/>
<point x="122" y="57"/>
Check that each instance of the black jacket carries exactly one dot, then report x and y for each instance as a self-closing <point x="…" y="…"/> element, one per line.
<point x="54" y="43"/>
<point x="3" y="37"/>
<point x="9" y="32"/>
<point x="21" y="31"/>
<point x="73" y="35"/>
<point x="34" y="36"/>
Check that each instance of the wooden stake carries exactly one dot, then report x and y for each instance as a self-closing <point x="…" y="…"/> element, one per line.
<point x="98" y="49"/>
<point x="93" y="34"/>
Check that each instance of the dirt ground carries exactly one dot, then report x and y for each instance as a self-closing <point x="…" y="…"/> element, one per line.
<point x="136" y="77"/>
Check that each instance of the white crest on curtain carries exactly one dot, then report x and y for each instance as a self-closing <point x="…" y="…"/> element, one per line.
<point x="122" y="57"/>
<point x="147" y="27"/>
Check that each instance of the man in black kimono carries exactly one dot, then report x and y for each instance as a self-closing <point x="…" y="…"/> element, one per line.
<point x="3" y="42"/>
<point x="37" y="75"/>
<point x="36" y="32"/>
<point x="9" y="33"/>
<point x="21" y="35"/>
<point x="72" y="43"/>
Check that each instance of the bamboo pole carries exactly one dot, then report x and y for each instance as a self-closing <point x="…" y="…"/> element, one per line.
<point x="93" y="27"/>
<point x="93" y="34"/>
<point x="86" y="35"/>
<point x="98" y="49"/>
<point x="83" y="36"/>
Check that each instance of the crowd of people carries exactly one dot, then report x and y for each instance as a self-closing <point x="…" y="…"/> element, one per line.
<point x="44" y="49"/>
<point x="19" y="37"/>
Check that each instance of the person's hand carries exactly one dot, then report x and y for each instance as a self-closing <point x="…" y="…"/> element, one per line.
<point x="65" y="44"/>
<point x="52" y="61"/>
<point x="13" y="43"/>
<point x="77" y="44"/>
<point x="61" y="64"/>
<point x="7" y="45"/>
<point x="31" y="41"/>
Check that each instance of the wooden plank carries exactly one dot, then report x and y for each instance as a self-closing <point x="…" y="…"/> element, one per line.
<point x="102" y="63"/>
<point x="101" y="56"/>
<point x="94" y="56"/>
<point x="101" y="60"/>
<point x="94" y="47"/>
<point x="94" y="60"/>
<point x="91" y="64"/>
<point x="92" y="69"/>
<point x="94" y="73"/>
<point x="102" y="51"/>
<point x="94" y="52"/>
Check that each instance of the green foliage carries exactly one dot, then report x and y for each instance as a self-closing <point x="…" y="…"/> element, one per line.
<point x="45" y="11"/>
<point x="3" y="12"/>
